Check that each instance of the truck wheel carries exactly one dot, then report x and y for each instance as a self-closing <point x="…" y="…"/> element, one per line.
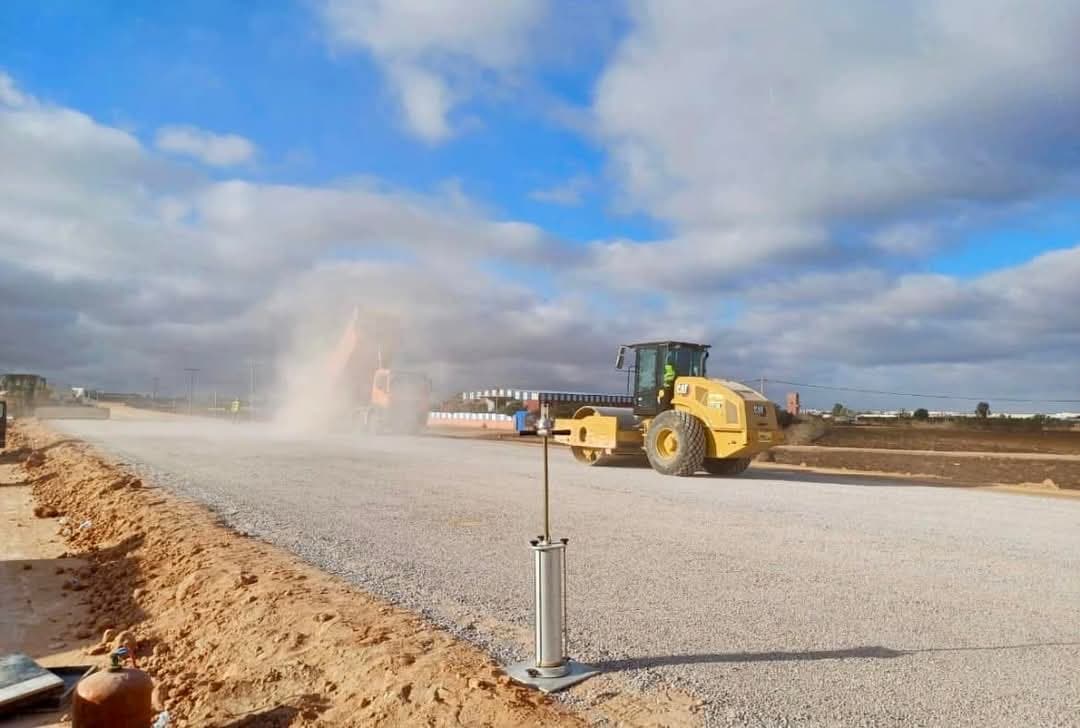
<point x="726" y="466"/>
<point x="375" y="425"/>
<point x="675" y="443"/>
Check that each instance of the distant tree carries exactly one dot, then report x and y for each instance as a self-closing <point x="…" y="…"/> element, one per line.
<point x="921" y="414"/>
<point x="839" y="410"/>
<point x="512" y="406"/>
<point x="457" y="404"/>
<point x="982" y="410"/>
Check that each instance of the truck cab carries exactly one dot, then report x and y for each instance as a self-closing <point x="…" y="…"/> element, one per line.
<point x="399" y="401"/>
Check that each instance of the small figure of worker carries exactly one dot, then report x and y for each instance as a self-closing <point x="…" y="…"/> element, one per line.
<point x="234" y="408"/>
<point x="668" y="391"/>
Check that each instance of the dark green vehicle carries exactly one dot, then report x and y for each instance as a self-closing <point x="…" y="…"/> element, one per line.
<point x="23" y="393"/>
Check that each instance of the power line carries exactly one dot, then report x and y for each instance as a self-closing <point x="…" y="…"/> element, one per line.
<point x="922" y="395"/>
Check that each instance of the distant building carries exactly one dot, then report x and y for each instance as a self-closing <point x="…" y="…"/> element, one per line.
<point x="793" y="407"/>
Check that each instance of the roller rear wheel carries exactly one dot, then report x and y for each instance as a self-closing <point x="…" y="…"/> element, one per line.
<point x="675" y="443"/>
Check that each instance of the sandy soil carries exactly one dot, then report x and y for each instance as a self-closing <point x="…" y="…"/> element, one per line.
<point x="233" y="631"/>
<point x="39" y="614"/>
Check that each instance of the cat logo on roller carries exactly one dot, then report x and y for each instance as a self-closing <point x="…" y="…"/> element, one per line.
<point x="715" y="425"/>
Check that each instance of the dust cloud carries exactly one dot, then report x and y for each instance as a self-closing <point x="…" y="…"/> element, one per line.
<point x="313" y="398"/>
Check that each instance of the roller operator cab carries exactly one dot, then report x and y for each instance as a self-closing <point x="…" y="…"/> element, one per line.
<point x="682" y="421"/>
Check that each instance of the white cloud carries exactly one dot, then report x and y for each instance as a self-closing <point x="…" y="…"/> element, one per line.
<point x="568" y="193"/>
<point x="122" y="264"/>
<point x="694" y="262"/>
<point x="216" y="150"/>
<point x="870" y="118"/>
<point x="434" y="51"/>
<point x="990" y="324"/>
<point x="426" y="101"/>
<point x="909" y="239"/>
<point x="9" y="93"/>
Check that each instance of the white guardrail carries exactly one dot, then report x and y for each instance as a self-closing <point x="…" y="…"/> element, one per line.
<point x="471" y="416"/>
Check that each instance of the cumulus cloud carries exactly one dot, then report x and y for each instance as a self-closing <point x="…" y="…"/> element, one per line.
<point x="840" y="116"/>
<point x="802" y="162"/>
<point x="568" y="192"/>
<point x="867" y="327"/>
<point x="9" y="93"/>
<point x="216" y="150"/>
<point x="697" y="262"/>
<point x="122" y="265"/>
<point x="434" y="52"/>
<point x="906" y="238"/>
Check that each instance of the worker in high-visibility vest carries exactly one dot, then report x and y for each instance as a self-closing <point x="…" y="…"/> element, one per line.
<point x="668" y="390"/>
<point x="234" y="408"/>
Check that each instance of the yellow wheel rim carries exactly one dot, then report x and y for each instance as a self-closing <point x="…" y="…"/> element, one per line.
<point x="667" y="443"/>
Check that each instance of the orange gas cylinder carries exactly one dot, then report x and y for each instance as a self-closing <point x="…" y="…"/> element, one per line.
<point x="115" y="698"/>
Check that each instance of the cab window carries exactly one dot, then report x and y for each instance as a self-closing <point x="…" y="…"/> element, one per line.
<point x="646" y="369"/>
<point x="688" y="362"/>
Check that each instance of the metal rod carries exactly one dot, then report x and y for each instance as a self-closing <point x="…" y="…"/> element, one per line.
<point x="564" y="626"/>
<point x="547" y="508"/>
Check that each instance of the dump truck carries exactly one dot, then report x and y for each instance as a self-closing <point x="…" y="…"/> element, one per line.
<point x="380" y="398"/>
<point x="682" y="421"/>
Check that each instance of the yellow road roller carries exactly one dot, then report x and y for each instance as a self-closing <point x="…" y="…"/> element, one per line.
<point x="681" y="420"/>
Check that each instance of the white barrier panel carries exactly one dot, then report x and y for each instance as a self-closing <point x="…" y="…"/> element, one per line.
<point x="475" y="416"/>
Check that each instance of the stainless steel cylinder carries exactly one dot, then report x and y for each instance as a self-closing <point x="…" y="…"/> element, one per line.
<point x="550" y="560"/>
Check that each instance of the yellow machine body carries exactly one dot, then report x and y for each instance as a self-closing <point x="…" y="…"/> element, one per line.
<point x="738" y="421"/>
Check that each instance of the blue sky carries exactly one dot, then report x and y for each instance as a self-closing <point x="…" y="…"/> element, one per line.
<point x="883" y="185"/>
<point x="317" y="115"/>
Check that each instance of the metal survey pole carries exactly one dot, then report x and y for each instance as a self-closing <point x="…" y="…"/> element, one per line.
<point x="547" y="495"/>
<point x="550" y="669"/>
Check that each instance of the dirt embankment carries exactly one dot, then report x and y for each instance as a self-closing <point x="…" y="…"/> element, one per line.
<point x="951" y="438"/>
<point x="1047" y="459"/>
<point x="236" y="633"/>
<point x="1032" y="471"/>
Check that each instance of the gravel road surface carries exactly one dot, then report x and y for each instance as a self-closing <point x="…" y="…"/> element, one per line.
<point x="778" y="599"/>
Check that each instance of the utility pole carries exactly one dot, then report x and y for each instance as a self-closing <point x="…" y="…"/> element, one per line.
<point x="192" y="371"/>
<point x="153" y="397"/>
<point x="763" y="386"/>
<point x="251" y="387"/>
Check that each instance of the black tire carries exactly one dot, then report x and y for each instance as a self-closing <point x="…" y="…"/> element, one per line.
<point x="675" y="443"/>
<point x="726" y="466"/>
